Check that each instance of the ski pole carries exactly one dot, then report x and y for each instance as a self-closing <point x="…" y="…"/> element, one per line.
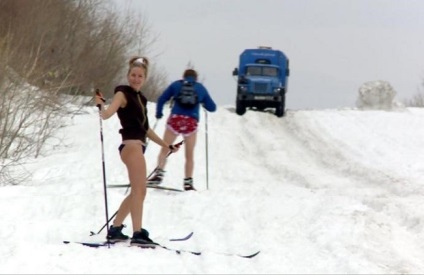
<point x="103" y="156"/>
<point x="154" y="128"/>
<point x="206" y="144"/>
<point x="107" y="223"/>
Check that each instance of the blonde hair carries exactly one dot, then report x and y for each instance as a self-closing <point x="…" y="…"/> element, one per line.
<point x="139" y="61"/>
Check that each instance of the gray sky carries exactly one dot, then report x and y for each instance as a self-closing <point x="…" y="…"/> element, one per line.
<point x="334" y="46"/>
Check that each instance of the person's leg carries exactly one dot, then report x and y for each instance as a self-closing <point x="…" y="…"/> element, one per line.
<point x="133" y="158"/>
<point x="169" y="137"/>
<point x="189" y="163"/>
<point x="190" y="142"/>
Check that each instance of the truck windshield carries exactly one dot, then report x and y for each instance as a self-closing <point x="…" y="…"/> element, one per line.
<point x="266" y="71"/>
<point x="269" y="71"/>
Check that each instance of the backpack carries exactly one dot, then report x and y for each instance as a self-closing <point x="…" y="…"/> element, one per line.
<point x="187" y="96"/>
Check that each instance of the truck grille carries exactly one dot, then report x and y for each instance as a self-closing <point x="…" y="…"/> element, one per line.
<point x="261" y="88"/>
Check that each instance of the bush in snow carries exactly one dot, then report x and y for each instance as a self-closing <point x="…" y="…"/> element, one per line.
<point x="376" y="95"/>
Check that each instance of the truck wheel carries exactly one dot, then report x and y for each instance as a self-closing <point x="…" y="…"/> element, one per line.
<point x="240" y="108"/>
<point x="279" y="110"/>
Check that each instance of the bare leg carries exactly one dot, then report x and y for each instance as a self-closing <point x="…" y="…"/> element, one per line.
<point x="190" y="143"/>
<point x="123" y="211"/>
<point x="133" y="158"/>
<point x="169" y="137"/>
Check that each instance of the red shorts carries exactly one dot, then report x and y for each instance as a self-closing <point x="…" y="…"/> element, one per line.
<point x="180" y="124"/>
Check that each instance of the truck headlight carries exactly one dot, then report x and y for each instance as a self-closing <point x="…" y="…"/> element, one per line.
<point x="241" y="89"/>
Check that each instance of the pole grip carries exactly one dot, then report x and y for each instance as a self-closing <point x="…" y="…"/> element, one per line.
<point x="99" y="94"/>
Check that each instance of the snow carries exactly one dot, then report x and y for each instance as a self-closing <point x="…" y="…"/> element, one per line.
<point x="331" y="191"/>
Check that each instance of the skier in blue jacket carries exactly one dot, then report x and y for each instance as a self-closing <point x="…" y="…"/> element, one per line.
<point x="188" y="95"/>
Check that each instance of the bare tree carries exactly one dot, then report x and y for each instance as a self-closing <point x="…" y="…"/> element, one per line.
<point x="28" y="116"/>
<point x="418" y="99"/>
<point x="81" y="44"/>
<point x="51" y="52"/>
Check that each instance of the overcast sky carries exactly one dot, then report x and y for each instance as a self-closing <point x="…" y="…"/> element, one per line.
<point x="333" y="46"/>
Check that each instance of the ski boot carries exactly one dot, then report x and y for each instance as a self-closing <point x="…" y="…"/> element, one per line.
<point x="141" y="239"/>
<point x="114" y="234"/>
<point x="157" y="177"/>
<point x="188" y="184"/>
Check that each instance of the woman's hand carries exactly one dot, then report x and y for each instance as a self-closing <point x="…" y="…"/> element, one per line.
<point x="175" y="147"/>
<point x="99" y="99"/>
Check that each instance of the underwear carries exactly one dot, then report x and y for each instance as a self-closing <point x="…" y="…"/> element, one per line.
<point x="123" y="145"/>
<point x="180" y="124"/>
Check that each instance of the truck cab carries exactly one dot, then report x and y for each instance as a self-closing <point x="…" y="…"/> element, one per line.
<point x="262" y="77"/>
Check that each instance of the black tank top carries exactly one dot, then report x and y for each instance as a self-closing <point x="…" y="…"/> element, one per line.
<point x="133" y="117"/>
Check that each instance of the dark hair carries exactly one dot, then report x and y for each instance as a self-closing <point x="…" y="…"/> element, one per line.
<point x="141" y="62"/>
<point x="190" y="73"/>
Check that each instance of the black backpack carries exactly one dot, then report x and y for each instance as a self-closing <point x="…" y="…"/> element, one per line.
<point x="187" y="96"/>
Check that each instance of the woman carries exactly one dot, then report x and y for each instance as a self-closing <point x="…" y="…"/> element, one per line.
<point x="183" y="120"/>
<point x="130" y="104"/>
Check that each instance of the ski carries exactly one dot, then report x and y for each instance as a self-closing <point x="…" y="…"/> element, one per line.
<point x="111" y="244"/>
<point x="198" y="253"/>
<point x="148" y="186"/>
<point x="92" y="244"/>
<point x="185" y="238"/>
<point x="107" y="243"/>
<point x="178" y="251"/>
<point x="182" y="239"/>
<point x="164" y="188"/>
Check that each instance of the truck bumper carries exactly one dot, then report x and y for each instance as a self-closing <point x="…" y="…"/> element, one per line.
<point x="255" y="98"/>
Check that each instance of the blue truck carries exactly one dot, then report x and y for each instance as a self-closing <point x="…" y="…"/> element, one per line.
<point x="262" y="78"/>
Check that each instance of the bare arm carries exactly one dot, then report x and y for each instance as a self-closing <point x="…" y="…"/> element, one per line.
<point x="118" y="100"/>
<point x="156" y="139"/>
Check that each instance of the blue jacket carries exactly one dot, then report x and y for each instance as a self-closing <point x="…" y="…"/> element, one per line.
<point x="172" y="91"/>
